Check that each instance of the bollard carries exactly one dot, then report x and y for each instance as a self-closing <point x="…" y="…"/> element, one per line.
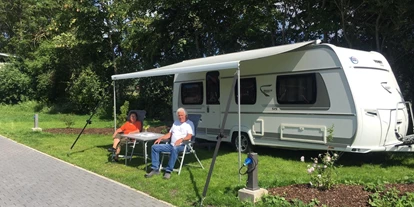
<point x="36" y="121"/>
<point x="252" y="182"/>
<point x="252" y="192"/>
<point x="36" y="124"/>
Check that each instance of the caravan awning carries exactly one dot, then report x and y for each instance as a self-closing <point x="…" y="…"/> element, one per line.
<point x="219" y="62"/>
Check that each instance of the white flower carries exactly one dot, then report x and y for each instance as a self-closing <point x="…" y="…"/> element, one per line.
<point x="310" y="170"/>
<point x="302" y="159"/>
<point x="319" y="176"/>
<point x="325" y="166"/>
<point x="328" y="158"/>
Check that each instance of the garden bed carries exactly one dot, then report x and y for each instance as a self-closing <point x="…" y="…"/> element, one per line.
<point x="340" y="195"/>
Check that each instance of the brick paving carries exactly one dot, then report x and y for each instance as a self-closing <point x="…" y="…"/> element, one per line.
<point x="31" y="178"/>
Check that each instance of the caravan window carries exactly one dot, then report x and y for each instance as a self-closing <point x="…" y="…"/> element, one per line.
<point x="213" y="87"/>
<point x="247" y="90"/>
<point x="192" y="93"/>
<point x="296" y="89"/>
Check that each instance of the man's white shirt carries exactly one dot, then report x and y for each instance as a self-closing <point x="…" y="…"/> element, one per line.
<point x="180" y="130"/>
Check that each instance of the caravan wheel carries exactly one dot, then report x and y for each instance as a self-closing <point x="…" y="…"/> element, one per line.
<point x="244" y="140"/>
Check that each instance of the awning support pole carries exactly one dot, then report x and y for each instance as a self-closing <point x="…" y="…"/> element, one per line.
<point x="114" y="106"/>
<point x="239" y="114"/>
<point x="219" y="137"/>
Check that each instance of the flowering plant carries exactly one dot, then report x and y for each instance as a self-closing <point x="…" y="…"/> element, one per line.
<point x="146" y="127"/>
<point x="322" y="171"/>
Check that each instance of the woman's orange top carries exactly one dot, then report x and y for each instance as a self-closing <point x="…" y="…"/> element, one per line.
<point x="129" y="127"/>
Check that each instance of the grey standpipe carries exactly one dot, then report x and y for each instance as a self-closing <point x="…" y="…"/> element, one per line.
<point x="36" y="123"/>
<point x="252" y="182"/>
<point x="252" y="192"/>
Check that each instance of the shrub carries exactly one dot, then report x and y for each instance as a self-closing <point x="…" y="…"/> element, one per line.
<point x="120" y="118"/>
<point x="322" y="174"/>
<point x="84" y="93"/>
<point x="44" y="87"/>
<point x="14" y="85"/>
<point x="68" y="119"/>
<point x="146" y="127"/>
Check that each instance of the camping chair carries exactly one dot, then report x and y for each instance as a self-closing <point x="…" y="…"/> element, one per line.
<point x="188" y="148"/>
<point x="132" y="143"/>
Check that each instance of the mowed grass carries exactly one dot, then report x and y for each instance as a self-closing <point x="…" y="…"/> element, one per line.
<point x="276" y="167"/>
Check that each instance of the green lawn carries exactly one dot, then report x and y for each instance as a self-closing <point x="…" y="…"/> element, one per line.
<point x="276" y="167"/>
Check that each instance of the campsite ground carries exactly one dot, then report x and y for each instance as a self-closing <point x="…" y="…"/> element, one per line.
<point x="340" y="195"/>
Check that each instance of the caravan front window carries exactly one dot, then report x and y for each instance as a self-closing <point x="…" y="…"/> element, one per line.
<point x="296" y="89"/>
<point x="192" y="93"/>
<point x="247" y="90"/>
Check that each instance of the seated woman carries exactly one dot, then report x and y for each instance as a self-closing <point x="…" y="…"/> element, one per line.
<point x="131" y="126"/>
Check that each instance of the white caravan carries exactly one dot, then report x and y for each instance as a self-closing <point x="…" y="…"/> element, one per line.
<point x="292" y="97"/>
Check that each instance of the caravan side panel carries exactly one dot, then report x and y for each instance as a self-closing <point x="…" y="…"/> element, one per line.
<point x="333" y="107"/>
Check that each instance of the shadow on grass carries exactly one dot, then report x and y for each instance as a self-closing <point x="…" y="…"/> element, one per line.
<point x="109" y="154"/>
<point x="79" y="151"/>
<point x="384" y="159"/>
<point x="194" y="183"/>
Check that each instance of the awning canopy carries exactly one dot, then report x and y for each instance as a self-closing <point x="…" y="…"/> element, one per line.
<point x="219" y="62"/>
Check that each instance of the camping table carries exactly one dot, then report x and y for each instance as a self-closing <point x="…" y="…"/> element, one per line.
<point x="143" y="137"/>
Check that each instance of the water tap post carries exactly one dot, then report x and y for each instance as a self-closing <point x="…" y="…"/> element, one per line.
<point x="36" y="121"/>
<point x="252" y="181"/>
<point x="251" y="192"/>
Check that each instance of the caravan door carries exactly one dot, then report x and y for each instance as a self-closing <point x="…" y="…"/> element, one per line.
<point x="212" y="118"/>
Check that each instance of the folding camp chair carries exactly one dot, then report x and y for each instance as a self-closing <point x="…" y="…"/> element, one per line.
<point x="188" y="148"/>
<point x="132" y="143"/>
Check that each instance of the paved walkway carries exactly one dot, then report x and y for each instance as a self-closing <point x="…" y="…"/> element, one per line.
<point x="31" y="178"/>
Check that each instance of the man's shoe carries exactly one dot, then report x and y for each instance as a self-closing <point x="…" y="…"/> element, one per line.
<point x="167" y="175"/>
<point x="150" y="174"/>
<point x="111" y="149"/>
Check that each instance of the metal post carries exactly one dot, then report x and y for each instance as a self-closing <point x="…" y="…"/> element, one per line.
<point x="252" y="182"/>
<point x="219" y="137"/>
<point x="238" y="113"/>
<point x="114" y="107"/>
<point x="36" y="124"/>
<point x="36" y="121"/>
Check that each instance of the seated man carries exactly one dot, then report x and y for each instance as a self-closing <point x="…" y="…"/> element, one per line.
<point x="131" y="126"/>
<point x="181" y="130"/>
